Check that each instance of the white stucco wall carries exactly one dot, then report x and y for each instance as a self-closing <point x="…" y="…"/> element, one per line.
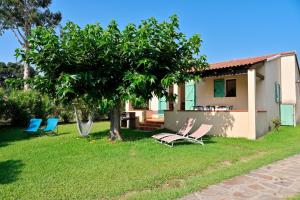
<point x="153" y="104"/>
<point x="229" y="124"/>
<point x="265" y="95"/>
<point x="262" y="123"/>
<point x="205" y="93"/>
<point x="127" y="106"/>
<point x="290" y="87"/>
<point x="288" y="79"/>
<point x="251" y="77"/>
<point x="297" y="87"/>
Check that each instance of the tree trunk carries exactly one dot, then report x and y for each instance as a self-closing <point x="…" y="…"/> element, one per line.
<point x="26" y="65"/>
<point x="26" y="75"/>
<point x="115" y="116"/>
<point x="111" y="129"/>
<point x="27" y="30"/>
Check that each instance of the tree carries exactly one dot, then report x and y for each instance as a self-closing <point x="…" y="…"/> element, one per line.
<point x="109" y="66"/>
<point x="20" y="16"/>
<point x="12" y="71"/>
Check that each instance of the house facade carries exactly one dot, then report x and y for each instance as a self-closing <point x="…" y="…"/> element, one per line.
<point x="240" y="98"/>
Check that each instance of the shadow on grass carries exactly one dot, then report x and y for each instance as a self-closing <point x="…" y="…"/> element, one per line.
<point x="10" y="170"/>
<point x="128" y="134"/>
<point x="11" y="134"/>
<point x="207" y="139"/>
<point x="57" y="134"/>
<point x="135" y="135"/>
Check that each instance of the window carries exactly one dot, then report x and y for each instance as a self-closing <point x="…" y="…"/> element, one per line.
<point x="219" y="88"/>
<point x="231" y="88"/>
<point x="225" y="90"/>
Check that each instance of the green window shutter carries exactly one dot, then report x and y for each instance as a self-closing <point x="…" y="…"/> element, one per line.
<point x="190" y="95"/>
<point x="219" y="88"/>
<point x="162" y="105"/>
<point x="277" y="92"/>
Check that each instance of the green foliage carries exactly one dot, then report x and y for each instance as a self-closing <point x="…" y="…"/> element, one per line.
<point x="20" y="106"/>
<point x="139" y="103"/>
<point x="4" y="104"/>
<point x="14" y="17"/>
<point x="104" y="67"/>
<point x="276" y="123"/>
<point x="14" y="83"/>
<point x="11" y="73"/>
<point x="97" y="64"/>
<point x="65" y="113"/>
<point x="20" y="16"/>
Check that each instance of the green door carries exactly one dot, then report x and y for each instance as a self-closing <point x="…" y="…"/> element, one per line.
<point x="190" y="95"/>
<point x="162" y="105"/>
<point x="287" y="114"/>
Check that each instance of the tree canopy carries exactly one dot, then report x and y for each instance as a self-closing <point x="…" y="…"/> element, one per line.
<point x="111" y="65"/>
<point x="20" y="16"/>
<point x="12" y="71"/>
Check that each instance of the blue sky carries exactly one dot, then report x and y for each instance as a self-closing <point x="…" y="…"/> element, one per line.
<point x="229" y="28"/>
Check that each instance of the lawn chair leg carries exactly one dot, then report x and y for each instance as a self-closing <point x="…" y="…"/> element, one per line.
<point x="166" y="143"/>
<point x="159" y="141"/>
<point x="201" y="141"/>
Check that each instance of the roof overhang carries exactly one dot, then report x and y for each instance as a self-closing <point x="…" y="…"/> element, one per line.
<point x="240" y="66"/>
<point x="229" y="71"/>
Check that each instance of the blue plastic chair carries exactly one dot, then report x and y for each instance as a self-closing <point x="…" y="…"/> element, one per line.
<point x="34" y="125"/>
<point x="51" y="125"/>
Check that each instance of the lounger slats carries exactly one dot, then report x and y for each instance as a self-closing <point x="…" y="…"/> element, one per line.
<point x="161" y="135"/>
<point x="194" y="137"/>
<point x="201" y="131"/>
<point x="173" y="138"/>
<point x="185" y="129"/>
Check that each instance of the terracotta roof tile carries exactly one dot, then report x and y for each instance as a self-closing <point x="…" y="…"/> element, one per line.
<point x="245" y="61"/>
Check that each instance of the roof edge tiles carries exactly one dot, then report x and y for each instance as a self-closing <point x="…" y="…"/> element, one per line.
<point x="246" y="61"/>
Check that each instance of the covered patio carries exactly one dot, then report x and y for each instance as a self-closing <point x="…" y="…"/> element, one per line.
<point x="233" y="113"/>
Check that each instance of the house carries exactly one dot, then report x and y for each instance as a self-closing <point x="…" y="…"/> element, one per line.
<point x="239" y="97"/>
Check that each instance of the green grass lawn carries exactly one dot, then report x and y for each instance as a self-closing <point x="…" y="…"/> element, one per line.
<point x="297" y="197"/>
<point x="68" y="167"/>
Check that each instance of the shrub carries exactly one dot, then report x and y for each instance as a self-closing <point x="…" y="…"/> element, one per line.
<point x="3" y="104"/>
<point x="65" y="113"/>
<point x="20" y="106"/>
<point x="24" y="105"/>
<point x="276" y="124"/>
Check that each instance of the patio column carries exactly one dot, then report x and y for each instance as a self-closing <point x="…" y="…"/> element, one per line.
<point x="177" y="101"/>
<point x="127" y="106"/>
<point x="251" y="103"/>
